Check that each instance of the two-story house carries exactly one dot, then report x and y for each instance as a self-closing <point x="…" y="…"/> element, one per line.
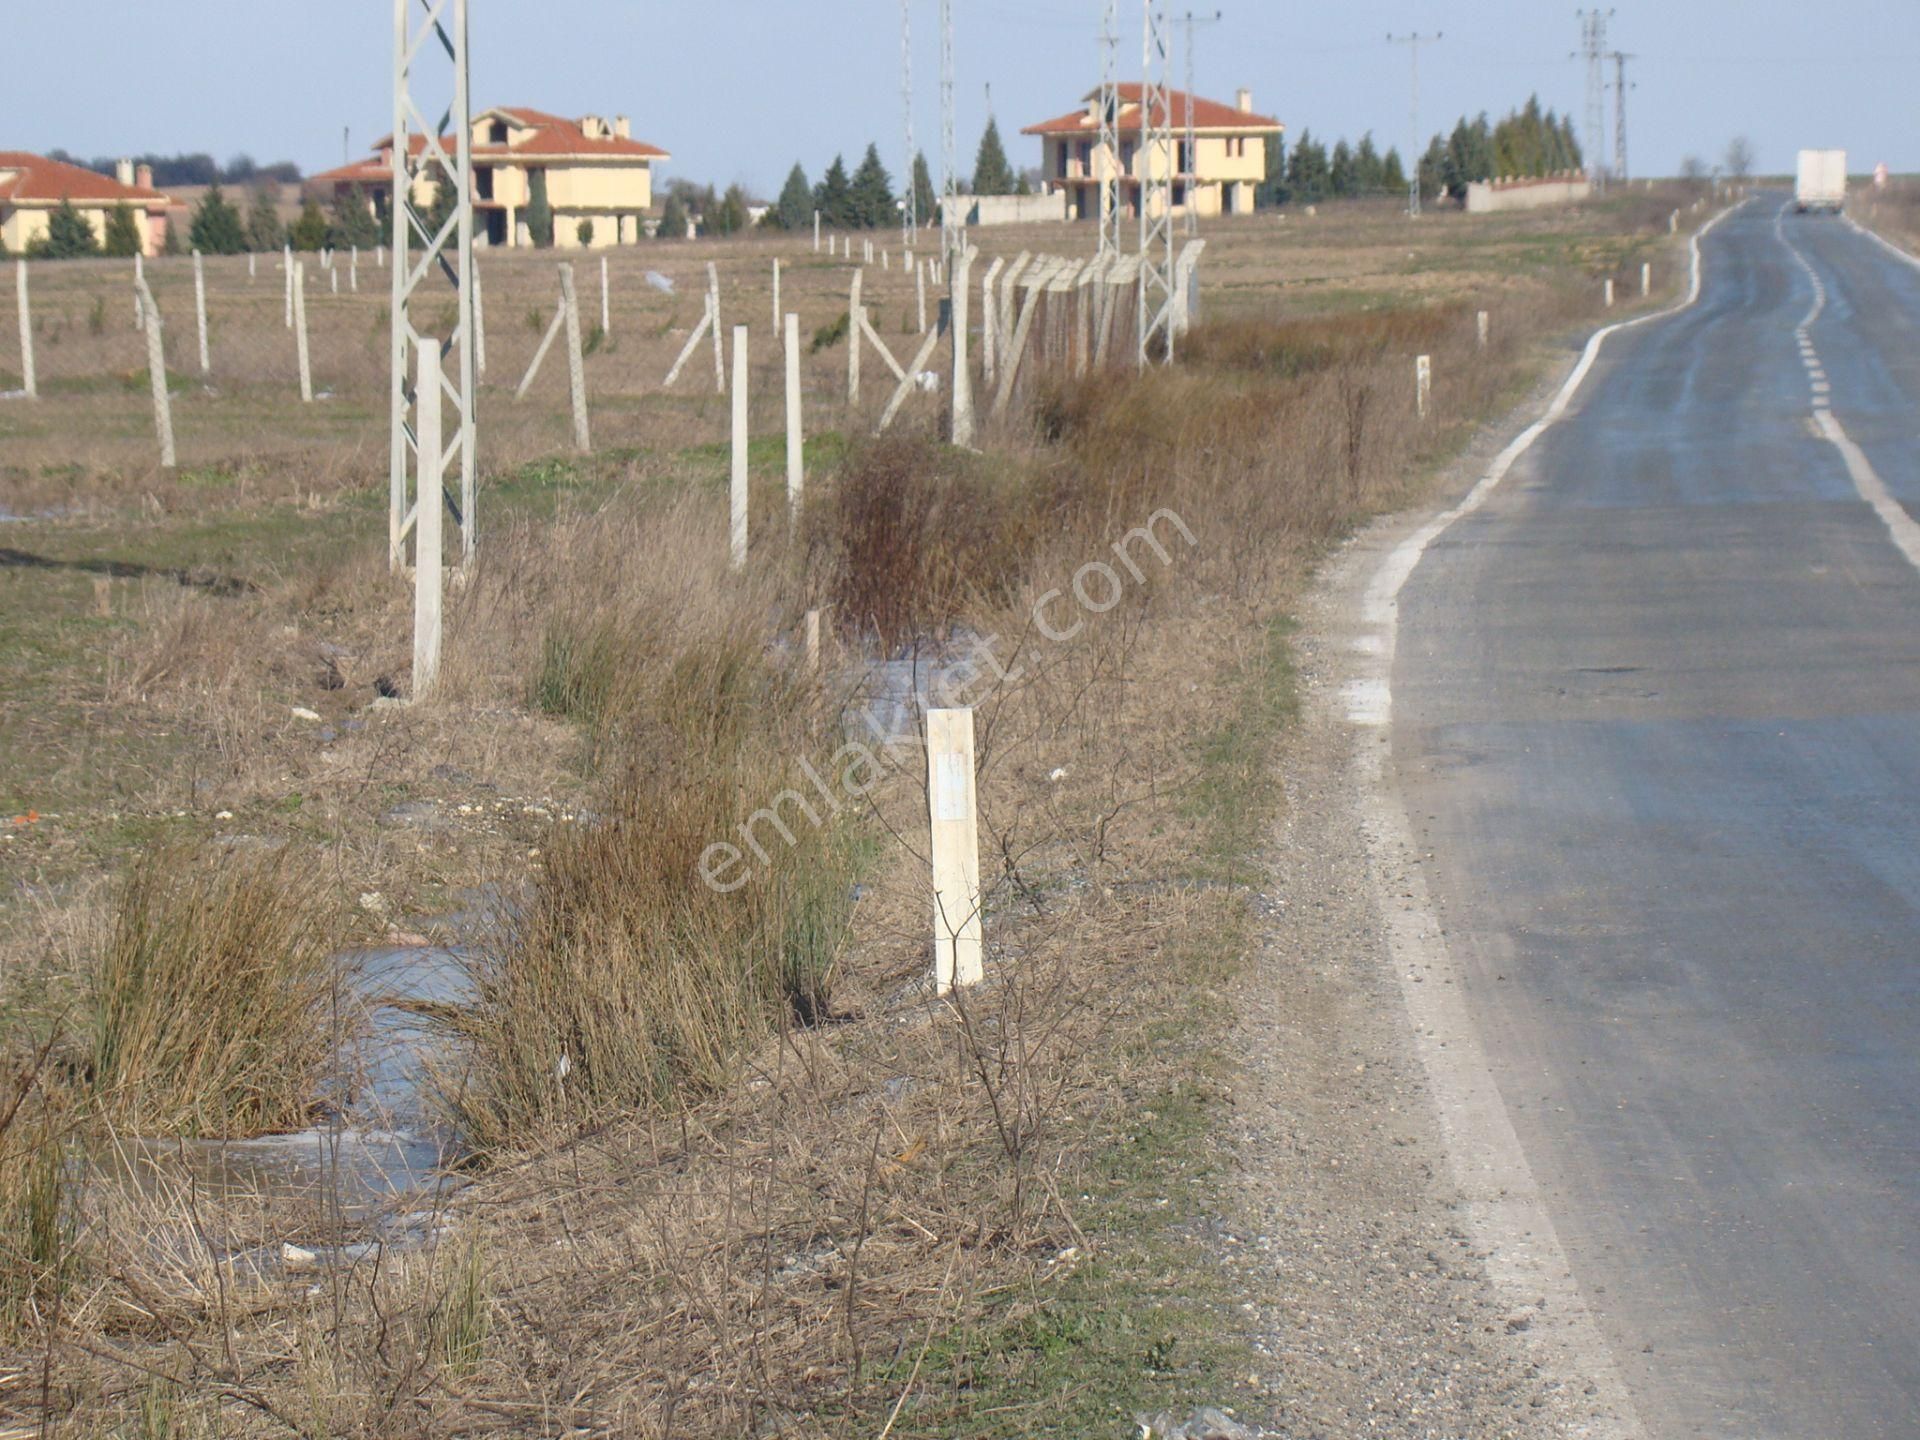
<point x="32" y="187"/>
<point x="1226" y="165"/>
<point x="594" y="171"/>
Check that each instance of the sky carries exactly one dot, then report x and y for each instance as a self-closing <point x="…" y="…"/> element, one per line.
<point x="738" y="90"/>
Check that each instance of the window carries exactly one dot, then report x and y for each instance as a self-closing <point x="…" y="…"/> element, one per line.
<point x="1086" y="157"/>
<point x="497" y="133"/>
<point x="1060" y="160"/>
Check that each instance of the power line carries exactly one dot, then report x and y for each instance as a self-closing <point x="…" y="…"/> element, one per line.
<point x="1192" y="167"/>
<point x="1413" y="43"/>
<point x="1620" y="88"/>
<point x="1593" y="48"/>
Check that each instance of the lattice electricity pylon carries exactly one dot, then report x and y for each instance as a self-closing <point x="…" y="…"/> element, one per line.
<point x="950" y="227"/>
<point x="909" y="212"/>
<point x="1191" y="170"/>
<point x="1593" y="49"/>
<point x="1620" y="88"/>
<point x="1108" y="153"/>
<point x="446" y="251"/>
<point x="1156" y="188"/>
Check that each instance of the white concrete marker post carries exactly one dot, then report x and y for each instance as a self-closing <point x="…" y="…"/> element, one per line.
<point x="286" y="280"/>
<point x="300" y="331"/>
<point x="854" y="317"/>
<point x="353" y="270"/>
<point x="576" y="362"/>
<point x="958" y="949"/>
<point x="1673" y="222"/>
<point x="380" y="256"/>
<point x="920" y="293"/>
<point x="200" y="310"/>
<point x="27" y="381"/>
<point x="250" y="259"/>
<point x="796" y="444"/>
<point x="719" y="360"/>
<point x="428" y="506"/>
<point x="816" y="232"/>
<point x="737" y="492"/>
<point x="1480" y="328"/>
<point x="1422" y="384"/>
<point x="776" y="295"/>
<point x="1646" y="279"/>
<point x="606" y="305"/>
<point x="157" y="372"/>
<point x="1607" y="292"/>
<point x="333" y="279"/>
<point x="962" y="423"/>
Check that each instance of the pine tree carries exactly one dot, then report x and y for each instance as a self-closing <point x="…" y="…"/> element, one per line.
<point x="353" y="222"/>
<point x="69" y="235"/>
<point x="794" y="209"/>
<point x="1340" y="174"/>
<point x="1273" y="190"/>
<point x="926" y="202"/>
<point x="309" y="232"/>
<point x="122" y="236"/>
<point x="1366" y="166"/>
<point x="1433" y="165"/>
<point x="871" y="196"/>
<point x="833" y="199"/>
<point x="216" y="227"/>
<point x="991" y="173"/>
<point x="673" y="220"/>
<point x="264" y="230"/>
<point x="1393" y="174"/>
<point x="539" y="211"/>
<point x="729" y="215"/>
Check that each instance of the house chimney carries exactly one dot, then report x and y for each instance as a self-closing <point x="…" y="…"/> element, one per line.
<point x="622" y="127"/>
<point x="123" y="171"/>
<point x="143" y="176"/>
<point x="1244" y="99"/>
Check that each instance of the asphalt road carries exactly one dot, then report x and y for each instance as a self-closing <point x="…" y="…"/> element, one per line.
<point x="1657" y="717"/>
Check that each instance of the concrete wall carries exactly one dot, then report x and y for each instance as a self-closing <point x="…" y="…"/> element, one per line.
<point x="1012" y="209"/>
<point x="1485" y="197"/>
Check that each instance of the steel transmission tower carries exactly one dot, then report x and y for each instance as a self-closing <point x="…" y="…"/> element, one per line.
<point x="909" y="212"/>
<point x="1620" y="88"/>
<point x="1156" y="187"/>
<point x="420" y="255"/>
<point x="1110" y="192"/>
<point x="1413" y="43"/>
<point x="949" y="177"/>
<point x="1192" y="168"/>
<point x="1593" y="49"/>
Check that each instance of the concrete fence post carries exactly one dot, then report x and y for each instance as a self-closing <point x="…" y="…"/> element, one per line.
<point x="576" y="361"/>
<point x="1422" y="384"/>
<point x="333" y="279"/>
<point x="429" y="505"/>
<point x="27" y="381"/>
<point x="962" y="422"/>
<point x="920" y="293"/>
<point x="719" y="360"/>
<point x="300" y="331"/>
<point x="139" y="279"/>
<point x="157" y="372"/>
<point x="737" y="491"/>
<point x="854" y="317"/>
<point x="886" y="259"/>
<point x="989" y="318"/>
<point x="286" y="280"/>
<point x="353" y="270"/>
<point x="1673" y="222"/>
<point x="776" y="296"/>
<point x="958" y="949"/>
<point x="1607" y="292"/>
<point x="250" y="260"/>
<point x="1646" y="279"/>
<point x="380" y="256"/>
<point x="1480" y="328"/>
<point x="606" y="304"/>
<point x="816" y="232"/>
<point x="200" y="310"/>
<point x="796" y="443"/>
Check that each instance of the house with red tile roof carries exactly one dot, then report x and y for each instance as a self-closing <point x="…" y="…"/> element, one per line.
<point x="1226" y="165"/>
<point x="598" y="178"/>
<point x="32" y="187"/>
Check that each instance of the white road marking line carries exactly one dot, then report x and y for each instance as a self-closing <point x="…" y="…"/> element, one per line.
<point x="1901" y="527"/>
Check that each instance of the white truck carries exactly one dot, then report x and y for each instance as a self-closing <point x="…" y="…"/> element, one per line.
<point x="1820" y="181"/>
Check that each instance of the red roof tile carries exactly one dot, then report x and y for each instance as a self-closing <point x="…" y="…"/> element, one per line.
<point x="551" y="135"/>
<point x="1207" y="115"/>
<point x="44" y="181"/>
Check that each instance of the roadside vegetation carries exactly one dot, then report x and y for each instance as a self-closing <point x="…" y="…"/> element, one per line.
<point x="733" y="1169"/>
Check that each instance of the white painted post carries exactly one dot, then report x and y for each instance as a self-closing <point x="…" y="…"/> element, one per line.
<point x="27" y="380"/>
<point x="428" y="506"/>
<point x="1646" y="279"/>
<point x="796" y="445"/>
<point x="353" y="270"/>
<point x="737" y="492"/>
<point x="854" y="316"/>
<point x="380" y="255"/>
<point x="920" y="293"/>
<point x="816" y="232"/>
<point x="1480" y="328"/>
<point x="286" y="280"/>
<point x="606" y="305"/>
<point x="1608" y="291"/>
<point x="300" y="331"/>
<point x="1422" y="383"/>
<point x="886" y="259"/>
<point x="957" y="931"/>
<point x="1673" y="222"/>
<point x="250" y="259"/>
<point x="333" y="279"/>
<point x="776" y="294"/>
<point x="719" y="362"/>
<point x="139" y="279"/>
<point x="962" y="425"/>
<point x="576" y="362"/>
<point x="479" y="324"/>
<point x="157" y="373"/>
<point x="200" y="310"/>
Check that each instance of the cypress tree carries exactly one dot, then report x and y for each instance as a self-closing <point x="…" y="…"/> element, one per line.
<point x="264" y="230"/>
<point x="926" y="203"/>
<point x="794" y="209"/>
<point x="69" y="235"/>
<point x="216" y="227"/>
<point x="1340" y="175"/>
<point x="991" y="173"/>
<point x="539" y="211"/>
<point x="122" y="236"/>
<point x="309" y="232"/>
<point x="1366" y="166"/>
<point x="1393" y="174"/>
<point x="833" y="197"/>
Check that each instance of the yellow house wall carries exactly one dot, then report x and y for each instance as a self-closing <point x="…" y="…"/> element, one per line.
<point x="600" y="187"/>
<point x="27" y="224"/>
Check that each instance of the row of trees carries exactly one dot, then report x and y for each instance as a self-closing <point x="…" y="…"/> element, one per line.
<point x="1311" y="173"/>
<point x="195" y="169"/>
<point x="217" y="227"/>
<point x="866" y="199"/>
<point x="1527" y="141"/>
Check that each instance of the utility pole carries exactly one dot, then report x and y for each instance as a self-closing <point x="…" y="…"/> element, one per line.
<point x="420" y="29"/>
<point x="1593" y="49"/>
<point x="1413" y="43"/>
<point x="1192" y="168"/>
<point x="1110" y="191"/>
<point x="909" y="212"/>
<point x="1157" y="163"/>
<point x="1620" y="88"/>
<point x="949" y="178"/>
